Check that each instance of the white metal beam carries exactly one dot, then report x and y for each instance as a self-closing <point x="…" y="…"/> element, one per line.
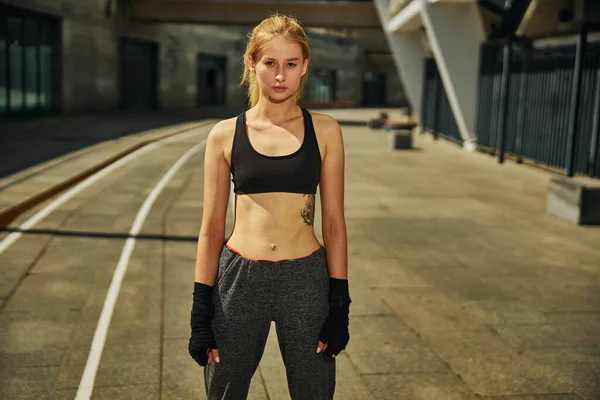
<point x="408" y="52"/>
<point x="455" y="33"/>
<point x="407" y="20"/>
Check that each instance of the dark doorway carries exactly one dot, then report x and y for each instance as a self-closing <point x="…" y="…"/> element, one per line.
<point x="211" y="80"/>
<point x="374" y="89"/>
<point x="139" y="74"/>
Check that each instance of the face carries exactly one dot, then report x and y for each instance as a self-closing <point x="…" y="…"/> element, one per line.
<point x="278" y="68"/>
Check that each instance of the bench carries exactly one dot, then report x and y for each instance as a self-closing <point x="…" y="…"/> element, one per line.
<point x="377" y="123"/>
<point x="399" y="125"/>
<point x="399" y="134"/>
<point x="575" y="199"/>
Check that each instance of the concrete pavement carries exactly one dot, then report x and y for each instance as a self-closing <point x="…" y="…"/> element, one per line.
<point x="463" y="287"/>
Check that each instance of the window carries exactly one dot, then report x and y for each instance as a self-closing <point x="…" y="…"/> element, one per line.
<point x="15" y="67"/>
<point x="30" y="47"/>
<point x="29" y="44"/>
<point x="3" y="67"/>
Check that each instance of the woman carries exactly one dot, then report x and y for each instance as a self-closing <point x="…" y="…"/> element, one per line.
<point x="272" y="268"/>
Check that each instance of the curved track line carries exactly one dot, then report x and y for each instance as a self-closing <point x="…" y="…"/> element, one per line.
<point x="8" y="215"/>
<point x="86" y="384"/>
<point x="43" y="213"/>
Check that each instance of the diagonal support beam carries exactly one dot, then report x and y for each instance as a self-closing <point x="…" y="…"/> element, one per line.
<point x="455" y="32"/>
<point x="408" y="49"/>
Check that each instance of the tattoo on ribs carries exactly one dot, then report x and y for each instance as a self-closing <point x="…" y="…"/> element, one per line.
<point x="308" y="212"/>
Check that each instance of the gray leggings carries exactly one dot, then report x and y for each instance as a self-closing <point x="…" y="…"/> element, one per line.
<point x="248" y="295"/>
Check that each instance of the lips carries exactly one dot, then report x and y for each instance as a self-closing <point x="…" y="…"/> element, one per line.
<point x="279" y="87"/>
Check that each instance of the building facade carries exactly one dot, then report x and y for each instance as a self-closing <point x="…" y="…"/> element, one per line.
<point x="68" y="56"/>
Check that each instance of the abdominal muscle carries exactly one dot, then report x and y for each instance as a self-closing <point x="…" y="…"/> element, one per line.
<point x="274" y="226"/>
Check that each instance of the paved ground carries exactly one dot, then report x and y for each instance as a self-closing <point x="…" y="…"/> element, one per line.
<point x="27" y="143"/>
<point x="463" y="287"/>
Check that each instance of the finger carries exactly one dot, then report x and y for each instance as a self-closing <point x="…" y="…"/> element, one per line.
<point x="215" y="354"/>
<point x="320" y="346"/>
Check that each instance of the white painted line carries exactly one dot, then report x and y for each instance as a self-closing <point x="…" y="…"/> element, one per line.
<point x="43" y="213"/>
<point x="86" y="385"/>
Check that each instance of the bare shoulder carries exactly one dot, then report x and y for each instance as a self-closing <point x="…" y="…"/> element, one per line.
<point x="325" y="124"/>
<point x="223" y="130"/>
<point x="220" y="137"/>
<point x="328" y="132"/>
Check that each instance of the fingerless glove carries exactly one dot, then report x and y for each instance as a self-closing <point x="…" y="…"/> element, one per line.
<point x="335" y="329"/>
<point x="202" y="338"/>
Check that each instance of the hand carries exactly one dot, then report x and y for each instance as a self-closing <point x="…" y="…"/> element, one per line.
<point x="321" y="347"/>
<point x="203" y="356"/>
<point x="334" y="335"/>
<point x="213" y="355"/>
<point x="202" y="345"/>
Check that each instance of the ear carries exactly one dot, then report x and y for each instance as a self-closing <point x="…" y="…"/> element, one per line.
<point x="304" y="66"/>
<point x="251" y="64"/>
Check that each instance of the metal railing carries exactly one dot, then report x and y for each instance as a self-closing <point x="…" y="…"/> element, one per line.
<point x="436" y="114"/>
<point x="541" y="109"/>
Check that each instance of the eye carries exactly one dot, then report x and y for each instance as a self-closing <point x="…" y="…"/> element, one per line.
<point x="269" y="62"/>
<point x="292" y="65"/>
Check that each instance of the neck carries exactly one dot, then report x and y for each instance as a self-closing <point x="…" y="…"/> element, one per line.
<point x="275" y="112"/>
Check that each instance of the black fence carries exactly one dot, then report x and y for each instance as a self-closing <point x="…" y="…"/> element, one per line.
<point x="532" y="113"/>
<point x="436" y="114"/>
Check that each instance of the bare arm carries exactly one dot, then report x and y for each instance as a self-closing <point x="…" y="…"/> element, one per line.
<point x="214" y="207"/>
<point x="332" y="200"/>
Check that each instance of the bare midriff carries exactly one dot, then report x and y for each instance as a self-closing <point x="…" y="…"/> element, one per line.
<point x="274" y="226"/>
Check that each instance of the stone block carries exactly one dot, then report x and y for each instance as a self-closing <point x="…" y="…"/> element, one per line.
<point x="400" y="138"/>
<point x="575" y="199"/>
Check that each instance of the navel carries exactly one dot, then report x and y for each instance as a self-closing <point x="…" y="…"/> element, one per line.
<point x="273" y="246"/>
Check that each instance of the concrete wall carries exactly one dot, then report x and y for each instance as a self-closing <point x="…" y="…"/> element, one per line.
<point x="90" y="56"/>
<point x="181" y="45"/>
<point x="90" y="66"/>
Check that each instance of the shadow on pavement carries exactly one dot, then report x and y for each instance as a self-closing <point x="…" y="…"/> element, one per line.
<point x="25" y="143"/>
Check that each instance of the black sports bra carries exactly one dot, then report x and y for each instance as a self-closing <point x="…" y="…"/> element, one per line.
<point x="253" y="172"/>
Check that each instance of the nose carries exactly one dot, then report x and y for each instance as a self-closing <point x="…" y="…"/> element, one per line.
<point x="280" y="77"/>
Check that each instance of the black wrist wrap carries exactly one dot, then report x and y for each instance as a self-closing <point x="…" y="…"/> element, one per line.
<point x="335" y="330"/>
<point x="202" y="338"/>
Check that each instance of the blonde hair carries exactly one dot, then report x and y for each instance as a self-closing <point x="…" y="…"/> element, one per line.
<point x="260" y="36"/>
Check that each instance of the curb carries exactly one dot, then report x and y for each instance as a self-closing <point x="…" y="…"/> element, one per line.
<point x="9" y="215"/>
